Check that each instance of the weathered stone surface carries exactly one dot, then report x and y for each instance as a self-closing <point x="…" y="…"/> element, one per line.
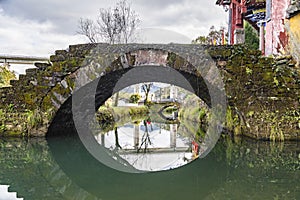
<point x="42" y="66"/>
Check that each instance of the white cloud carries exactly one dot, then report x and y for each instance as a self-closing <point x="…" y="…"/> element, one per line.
<point x="162" y="36"/>
<point x="24" y="36"/>
<point x="39" y="28"/>
<point x="188" y="17"/>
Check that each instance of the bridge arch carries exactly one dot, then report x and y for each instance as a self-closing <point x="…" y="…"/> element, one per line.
<point x="103" y="68"/>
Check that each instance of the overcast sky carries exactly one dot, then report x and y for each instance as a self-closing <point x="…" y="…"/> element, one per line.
<point x="39" y="27"/>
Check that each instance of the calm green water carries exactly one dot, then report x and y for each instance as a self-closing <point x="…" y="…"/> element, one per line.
<point x="61" y="168"/>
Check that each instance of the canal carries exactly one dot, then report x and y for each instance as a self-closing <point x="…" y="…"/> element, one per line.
<point x="236" y="168"/>
<point x="160" y="155"/>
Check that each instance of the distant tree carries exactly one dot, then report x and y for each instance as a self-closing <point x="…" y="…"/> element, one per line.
<point x="214" y="37"/>
<point x="115" y="25"/>
<point x="251" y="37"/>
<point x="134" y="98"/>
<point x="146" y="89"/>
<point x="6" y="75"/>
<point x="88" y="28"/>
<point x="118" y="146"/>
<point x="200" y="40"/>
<point x="146" y="139"/>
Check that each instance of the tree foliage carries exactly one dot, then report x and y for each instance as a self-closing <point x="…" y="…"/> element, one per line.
<point x="251" y="37"/>
<point x="5" y="76"/>
<point x="114" y="25"/>
<point x="214" y="37"/>
<point x="134" y="98"/>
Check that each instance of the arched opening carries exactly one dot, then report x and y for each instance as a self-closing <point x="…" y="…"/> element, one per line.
<point x="79" y="122"/>
<point x="77" y="152"/>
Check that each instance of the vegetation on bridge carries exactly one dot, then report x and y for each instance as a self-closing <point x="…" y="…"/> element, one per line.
<point x="23" y="124"/>
<point x="263" y="93"/>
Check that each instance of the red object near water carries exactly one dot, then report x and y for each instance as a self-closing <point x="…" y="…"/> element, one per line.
<point x="195" y="147"/>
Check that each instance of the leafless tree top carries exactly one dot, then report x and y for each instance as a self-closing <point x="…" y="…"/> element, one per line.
<point x="114" y="25"/>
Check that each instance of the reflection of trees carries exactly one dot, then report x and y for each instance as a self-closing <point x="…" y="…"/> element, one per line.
<point x="169" y="112"/>
<point x="192" y="129"/>
<point x="136" y="136"/>
<point x="118" y="146"/>
<point x="146" y="141"/>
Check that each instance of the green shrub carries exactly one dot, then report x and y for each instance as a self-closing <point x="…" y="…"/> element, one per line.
<point x="5" y="76"/>
<point x="134" y="98"/>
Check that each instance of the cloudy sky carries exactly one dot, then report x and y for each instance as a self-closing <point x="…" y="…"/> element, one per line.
<point x="39" y="27"/>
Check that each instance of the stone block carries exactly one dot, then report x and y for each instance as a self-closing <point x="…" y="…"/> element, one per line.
<point x="42" y="66"/>
<point x="31" y="71"/>
<point x="14" y="82"/>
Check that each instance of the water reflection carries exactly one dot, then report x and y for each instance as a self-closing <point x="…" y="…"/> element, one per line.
<point x="150" y="146"/>
<point x="158" y="127"/>
<point x="61" y="168"/>
<point x="6" y="195"/>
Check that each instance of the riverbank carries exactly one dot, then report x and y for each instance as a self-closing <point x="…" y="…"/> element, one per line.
<point x="34" y="123"/>
<point x="195" y="116"/>
<point x="23" y="124"/>
<point x="112" y="117"/>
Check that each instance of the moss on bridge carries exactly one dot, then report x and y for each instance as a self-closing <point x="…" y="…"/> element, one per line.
<point x="263" y="93"/>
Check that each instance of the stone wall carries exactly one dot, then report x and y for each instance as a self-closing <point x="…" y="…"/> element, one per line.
<point x="35" y="97"/>
<point x="263" y="95"/>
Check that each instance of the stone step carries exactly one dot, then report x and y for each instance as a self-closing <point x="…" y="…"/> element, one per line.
<point x="5" y="90"/>
<point x="42" y="66"/>
<point x="31" y="71"/>
<point x="22" y="77"/>
<point x="14" y="82"/>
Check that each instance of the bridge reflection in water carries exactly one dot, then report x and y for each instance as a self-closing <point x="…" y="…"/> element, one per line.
<point x="151" y="146"/>
<point x="65" y="170"/>
<point x="61" y="168"/>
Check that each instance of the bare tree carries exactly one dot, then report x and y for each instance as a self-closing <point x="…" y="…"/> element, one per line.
<point x="88" y="29"/>
<point x="146" y="88"/>
<point x="115" y="25"/>
<point x="128" y="20"/>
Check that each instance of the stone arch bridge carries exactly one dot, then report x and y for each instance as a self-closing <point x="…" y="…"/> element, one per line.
<point x="260" y="94"/>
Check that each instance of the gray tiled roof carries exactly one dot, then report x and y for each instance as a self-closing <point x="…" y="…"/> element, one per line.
<point x="293" y="9"/>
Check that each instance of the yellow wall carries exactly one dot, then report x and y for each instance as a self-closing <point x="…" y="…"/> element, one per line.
<point x="294" y="33"/>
